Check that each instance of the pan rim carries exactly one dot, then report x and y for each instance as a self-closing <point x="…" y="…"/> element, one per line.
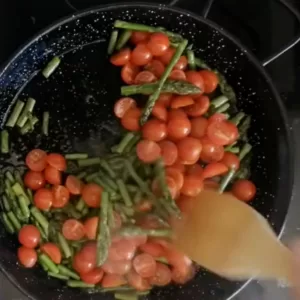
<point x="252" y="58"/>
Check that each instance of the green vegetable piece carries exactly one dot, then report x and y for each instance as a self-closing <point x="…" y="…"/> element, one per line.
<point x="191" y="59"/>
<point x="4" y="141"/>
<point x="131" y="231"/>
<point x="12" y="120"/>
<point x="112" y="42"/>
<point x="40" y="218"/>
<point x="89" y="162"/>
<point x="76" y="156"/>
<point x="19" y="191"/>
<point x="45" y="126"/>
<point x="9" y="226"/>
<point x="51" y="67"/>
<point x="64" y="245"/>
<point x="124" y="192"/>
<point x="14" y="220"/>
<point x="79" y="284"/>
<point x="29" y="125"/>
<point x="123" y="39"/>
<point x="24" y="206"/>
<point x="58" y="276"/>
<point x="67" y="272"/>
<point x="10" y="177"/>
<point x="52" y="267"/>
<point x="25" y="113"/>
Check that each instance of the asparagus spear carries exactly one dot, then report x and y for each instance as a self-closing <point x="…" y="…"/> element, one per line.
<point x="112" y="42"/>
<point x="123" y="39"/>
<point x="12" y="120"/>
<point x="129" y="231"/>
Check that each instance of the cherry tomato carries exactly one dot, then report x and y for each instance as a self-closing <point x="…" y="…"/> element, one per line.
<point x="244" y="190"/>
<point x="152" y="248"/>
<point x="222" y="133"/>
<point x="131" y="119"/>
<point x="177" y="75"/>
<point x="89" y="252"/>
<point x="121" y="58"/>
<point x="183" y="276"/>
<point x="176" y="175"/>
<point x="43" y="199"/>
<point x="169" y="152"/>
<point x="200" y="107"/>
<point x="217" y="117"/>
<point x="160" y="112"/>
<point x="178" y="128"/>
<point x="138" y="37"/>
<point x="211" y="80"/>
<point x="123" y="249"/>
<point x="52" y="251"/>
<point x="144" y="77"/>
<point x="137" y="282"/>
<point x="90" y="227"/>
<point x="164" y="99"/>
<point x="123" y="105"/>
<point x="129" y="72"/>
<point x="57" y="161"/>
<point x="52" y="175"/>
<point x="210" y="151"/>
<point x="154" y="130"/>
<point x="177" y="114"/>
<point x="91" y="194"/>
<point x="192" y="186"/>
<point x="73" y="230"/>
<point x="141" y="55"/>
<point x="166" y="58"/>
<point x="163" y="275"/>
<point x="179" y="166"/>
<point x="27" y="257"/>
<point x="93" y="277"/>
<point x="148" y="151"/>
<point x="82" y="264"/>
<point x="196" y="79"/>
<point x="144" y="206"/>
<point x="113" y="281"/>
<point x="194" y="170"/>
<point x="34" y="180"/>
<point x="36" y="160"/>
<point x="214" y="169"/>
<point x="231" y="160"/>
<point x="189" y="149"/>
<point x="156" y="67"/>
<point x="120" y="267"/>
<point x="182" y="63"/>
<point x="158" y="44"/>
<point x="145" y="265"/>
<point x="74" y="185"/>
<point x="61" y="196"/>
<point x="181" y="101"/>
<point x="29" y="236"/>
<point x="177" y="259"/>
<point x="198" y="127"/>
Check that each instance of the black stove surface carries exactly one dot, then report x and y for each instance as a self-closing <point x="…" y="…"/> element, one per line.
<point x="263" y="28"/>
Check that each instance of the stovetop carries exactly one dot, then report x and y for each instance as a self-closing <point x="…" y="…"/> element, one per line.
<point x="263" y="26"/>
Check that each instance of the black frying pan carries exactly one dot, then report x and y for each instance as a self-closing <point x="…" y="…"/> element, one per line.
<point x="80" y="96"/>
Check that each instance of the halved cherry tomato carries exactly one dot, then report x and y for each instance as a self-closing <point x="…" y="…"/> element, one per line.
<point x="177" y="75"/>
<point x="123" y="249"/>
<point x="177" y="259"/>
<point x="138" y="37"/>
<point x="113" y="281"/>
<point x="120" y="267"/>
<point x="74" y="185"/>
<point x="154" y="130"/>
<point x="90" y="227"/>
<point x="27" y="257"/>
<point x="141" y="55"/>
<point x="144" y="206"/>
<point x="231" y="160"/>
<point x="93" y="277"/>
<point x="217" y="117"/>
<point x="177" y="113"/>
<point x="36" y="160"/>
<point x="163" y="275"/>
<point x="222" y="133"/>
<point x="189" y="149"/>
<point x="61" y="196"/>
<point x="182" y="63"/>
<point x="192" y="186"/>
<point x="160" y="112"/>
<point x="179" y="166"/>
<point x="176" y="175"/>
<point x="169" y="152"/>
<point x="156" y="67"/>
<point x="136" y="281"/>
<point x="91" y="194"/>
<point x="158" y="43"/>
<point x="194" y="170"/>
<point x="148" y="151"/>
<point x="89" y="252"/>
<point x="34" y="180"/>
<point x="52" y="175"/>
<point x="131" y="119"/>
<point x="57" y="161"/>
<point x="211" y="80"/>
<point x="73" y="230"/>
<point x="145" y="265"/>
<point x="129" y="72"/>
<point x="244" y="190"/>
<point x="178" y="128"/>
<point x="144" y="77"/>
<point x="196" y="79"/>
<point x="200" y="107"/>
<point x="52" y="251"/>
<point x="166" y="58"/>
<point x="210" y="151"/>
<point x="83" y="265"/>
<point x="43" y="199"/>
<point x="121" y="58"/>
<point x="181" y="101"/>
<point x="29" y="236"/>
<point x="153" y="249"/>
<point x="123" y="105"/>
<point x="164" y="99"/>
<point x="214" y="169"/>
<point x="198" y="127"/>
<point x="183" y="276"/>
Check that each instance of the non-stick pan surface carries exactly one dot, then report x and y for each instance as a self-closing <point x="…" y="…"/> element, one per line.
<point x="80" y="96"/>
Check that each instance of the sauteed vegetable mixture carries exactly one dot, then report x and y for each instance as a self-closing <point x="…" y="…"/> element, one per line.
<point x="106" y="228"/>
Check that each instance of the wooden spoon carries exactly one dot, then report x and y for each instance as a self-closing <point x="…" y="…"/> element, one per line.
<point x="230" y="238"/>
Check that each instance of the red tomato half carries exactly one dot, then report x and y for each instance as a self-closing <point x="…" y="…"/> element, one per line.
<point x="129" y="72"/>
<point x="91" y="194"/>
<point x="43" y="199"/>
<point x="138" y="37"/>
<point x="199" y="108"/>
<point x="178" y="128"/>
<point x="123" y="249"/>
<point x="156" y="67"/>
<point x="29" y="236"/>
<point x="52" y="175"/>
<point x="189" y="149"/>
<point x="57" y="161"/>
<point x="27" y="257"/>
<point x="113" y="281"/>
<point x="36" y="160"/>
<point x="160" y="112"/>
<point x="199" y="126"/>
<point x="93" y="277"/>
<point x="131" y="119"/>
<point x="121" y="58"/>
<point x="52" y="251"/>
<point x="145" y="77"/>
<point x="158" y="44"/>
<point x="120" y="267"/>
<point x="169" y="152"/>
<point x="123" y="105"/>
<point x="163" y="275"/>
<point x="74" y="185"/>
<point x="61" y="196"/>
<point x="90" y="227"/>
<point x="34" y="180"/>
<point x="181" y="101"/>
<point x="211" y="80"/>
<point x="154" y="130"/>
<point x="153" y="249"/>
<point x="196" y="79"/>
<point x="141" y="55"/>
<point x="231" y="160"/>
<point x="73" y="230"/>
<point x="210" y="151"/>
<point x="192" y="186"/>
<point x="148" y="151"/>
<point x="214" y="169"/>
